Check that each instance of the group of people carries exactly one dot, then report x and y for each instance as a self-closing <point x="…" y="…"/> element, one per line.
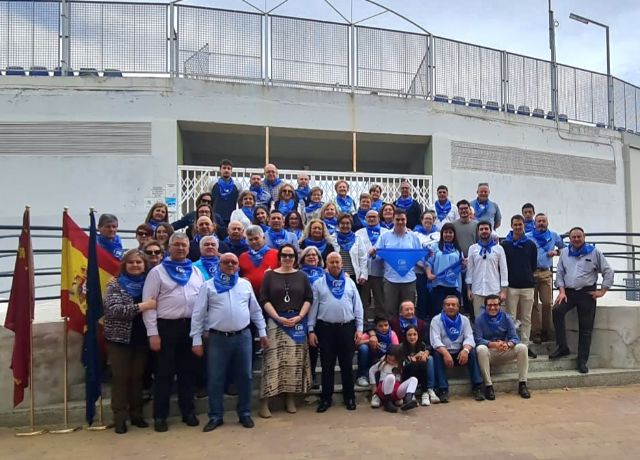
<point x="414" y="292"/>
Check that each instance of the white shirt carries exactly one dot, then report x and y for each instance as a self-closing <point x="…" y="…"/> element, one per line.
<point x="173" y="301"/>
<point x="487" y="275"/>
<point x="326" y="307"/>
<point x="451" y="217"/>
<point x="240" y="216"/>
<point x="229" y="311"/>
<point x="439" y="337"/>
<point x="375" y="267"/>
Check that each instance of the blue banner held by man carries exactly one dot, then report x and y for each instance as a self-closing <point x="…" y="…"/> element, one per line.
<point x="402" y="260"/>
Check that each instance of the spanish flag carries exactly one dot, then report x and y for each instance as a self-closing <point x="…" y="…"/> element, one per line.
<point x="73" y="284"/>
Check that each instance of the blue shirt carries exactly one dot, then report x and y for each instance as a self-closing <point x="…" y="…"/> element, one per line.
<point x="326" y="307"/>
<point x="440" y="261"/>
<point x="544" y="261"/>
<point x="506" y="331"/>
<point x="391" y="239"/>
<point x="290" y="239"/>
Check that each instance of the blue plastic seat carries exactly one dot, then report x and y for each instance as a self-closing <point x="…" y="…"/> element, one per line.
<point x="14" y="70"/>
<point x="509" y="108"/>
<point x="57" y="72"/>
<point x="600" y="125"/>
<point x="524" y="110"/>
<point x="551" y="115"/>
<point x="112" y="73"/>
<point x="441" y="98"/>
<point x="475" y="103"/>
<point x="88" y="72"/>
<point x="492" y="105"/>
<point x="538" y="113"/>
<point x="563" y="118"/>
<point x="38" y="71"/>
<point x="629" y="130"/>
<point x="458" y="100"/>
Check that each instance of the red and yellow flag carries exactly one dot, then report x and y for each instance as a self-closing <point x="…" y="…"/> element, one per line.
<point x="73" y="289"/>
<point x="20" y="312"/>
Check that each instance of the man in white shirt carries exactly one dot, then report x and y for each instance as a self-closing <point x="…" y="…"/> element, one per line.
<point x="174" y="284"/>
<point x="486" y="269"/>
<point x="224" y="308"/>
<point x="444" y="209"/>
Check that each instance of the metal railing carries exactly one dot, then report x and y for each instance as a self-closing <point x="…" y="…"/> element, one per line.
<point x="160" y="39"/>
<point x="195" y="180"/>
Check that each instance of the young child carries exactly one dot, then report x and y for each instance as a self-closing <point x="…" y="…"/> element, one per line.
<point x="418" y="362"/>
<point x="390" y="388"/>
<point x="371" y="350"/>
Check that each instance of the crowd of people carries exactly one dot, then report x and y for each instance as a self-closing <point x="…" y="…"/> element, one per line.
<point x="308" y="279"/>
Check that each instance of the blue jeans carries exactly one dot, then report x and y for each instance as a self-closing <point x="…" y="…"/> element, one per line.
<point x="441" y="369"/>
<point x="438" y="294"/>
<point x="222" y="350"/>
<point x="366" y="358"/>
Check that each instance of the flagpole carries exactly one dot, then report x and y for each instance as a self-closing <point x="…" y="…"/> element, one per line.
<point x="101" y="426"/>
<point x="32" y="415"/>
<point x="67" y="428"/>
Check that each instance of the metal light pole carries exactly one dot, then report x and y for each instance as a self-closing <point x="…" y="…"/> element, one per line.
<point x="554" y="64"/>
<point x="584" y="20"/>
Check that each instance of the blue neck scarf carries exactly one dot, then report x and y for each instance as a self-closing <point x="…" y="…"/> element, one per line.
<point x="542" y="238"/>
<point x="516" y="243"/>
<point x="313" y="207"/>
<point x="480" y="208"/>
<point x="303" y="193"/>
<point x="264" y="227"/>
<point x="377" y="204"/>
<point x="451" y="274"/>
<point x="453" y="327"/>
<point x="296" y="231"/>
<point x="486" y="248"/>
<point x="248" y="212"/>
<point x="420" y="229"/>
<point x="180" y="272"/>
<point x="153" y="224"/>
<point x="285" y="207"/>
<point x="586" y="249"/>
<point x="277" y="238"/>
<point x="313" y="273"/>
<point x="132" y="285"/>
<point x="404" y="203"/>
<point x="388" y="226"/>
<point x="113" y="247"/>
<point x="373" y="233"/>
<point x="405" y="323"/>
<point x="448" y="248"/>
<point x="443" y="210"/>
<point x="346" y="240"/>
<point x="529" y="226"/>
<point x="275" y="183"/>
<point x="331" y="224"/>
<point x="262" y="196"/>
<point x="384" y="340"/>
<point x="336" y="285"/>
<point x="238" y="244"/>
<point x="210" y="264"/>
<point x="224" y="282"/>
<point x="494" y="322"/>
<point x="362" y="216"/>
<point x="321" y="245"/>
<point x="345" y="204"/>
<point x="225" y="188"/>
<point x="257" y="256"/>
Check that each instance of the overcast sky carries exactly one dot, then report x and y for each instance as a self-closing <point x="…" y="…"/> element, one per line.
<point x="519" y="26"/>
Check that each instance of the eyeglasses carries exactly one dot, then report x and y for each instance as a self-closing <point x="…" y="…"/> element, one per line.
<point x="287" y="191"/>
<point x="287" y="256"/>
<point x="142" y="234"/>
<point x="229" y="262"/>
<point x="153" y="253"/>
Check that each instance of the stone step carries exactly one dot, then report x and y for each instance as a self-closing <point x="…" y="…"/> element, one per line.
<point x="52" y="415"/>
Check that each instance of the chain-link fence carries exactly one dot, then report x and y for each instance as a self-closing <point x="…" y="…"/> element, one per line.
<point x="201" y="42"/>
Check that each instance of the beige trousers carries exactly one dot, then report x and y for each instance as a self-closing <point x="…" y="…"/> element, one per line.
<point x="488" y="356"/>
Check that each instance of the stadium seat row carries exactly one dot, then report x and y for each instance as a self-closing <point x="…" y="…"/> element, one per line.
<point x="38" y="71"/>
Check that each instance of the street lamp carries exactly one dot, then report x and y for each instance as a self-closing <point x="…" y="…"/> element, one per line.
<point x="584" y="20"/>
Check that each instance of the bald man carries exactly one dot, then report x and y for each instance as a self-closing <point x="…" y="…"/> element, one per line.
<point x="272" y="182"/>
<point x="204" y="227"/>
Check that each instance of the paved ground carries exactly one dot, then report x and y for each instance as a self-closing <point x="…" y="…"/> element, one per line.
<point x="592" y="423"/>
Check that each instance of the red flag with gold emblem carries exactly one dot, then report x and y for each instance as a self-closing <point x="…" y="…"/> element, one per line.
<point x="20" y="311"/>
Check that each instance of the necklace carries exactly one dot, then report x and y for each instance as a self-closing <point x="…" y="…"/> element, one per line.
<point x="287" y="299"/>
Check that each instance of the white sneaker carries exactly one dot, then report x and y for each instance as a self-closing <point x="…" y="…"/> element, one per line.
<point x="425" y="399"/>
<point x="375" y="401"/>
<point x="362" y="382"/>
<point x="433" y="397"/>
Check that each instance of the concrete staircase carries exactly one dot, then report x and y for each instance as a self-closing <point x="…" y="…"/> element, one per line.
<point x="543" y="374"/>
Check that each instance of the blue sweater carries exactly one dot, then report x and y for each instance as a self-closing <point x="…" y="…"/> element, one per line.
<point x="484" y="333"/>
